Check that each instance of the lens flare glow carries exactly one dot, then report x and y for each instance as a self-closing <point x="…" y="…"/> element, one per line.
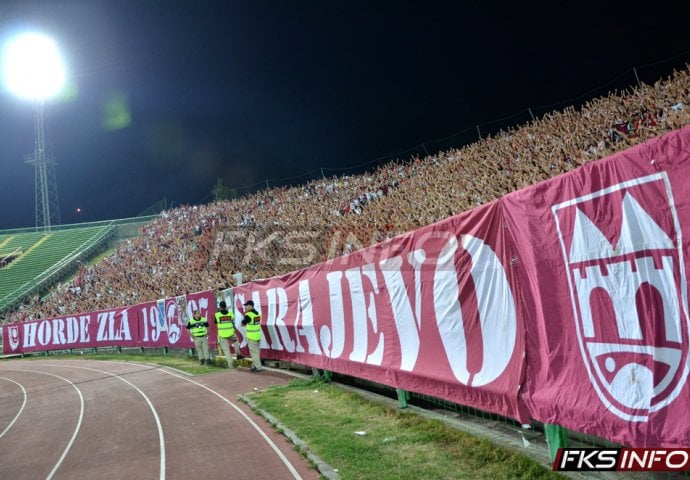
<point x="32" y="67"/>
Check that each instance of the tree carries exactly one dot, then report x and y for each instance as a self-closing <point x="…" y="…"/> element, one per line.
<point x="221" y="191"/>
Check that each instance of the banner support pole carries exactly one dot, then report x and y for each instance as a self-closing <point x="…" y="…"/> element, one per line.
<point x="556" y="437"/>
<point x="403" y="397"/>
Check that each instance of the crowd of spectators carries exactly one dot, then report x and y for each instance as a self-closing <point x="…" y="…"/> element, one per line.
<point x="278" y="230"/>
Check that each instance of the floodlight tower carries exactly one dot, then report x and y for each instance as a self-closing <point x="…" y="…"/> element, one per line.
<point x="47" y="201"/>
<point x="33" y="69"/>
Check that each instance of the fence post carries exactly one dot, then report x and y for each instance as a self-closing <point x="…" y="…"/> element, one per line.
<point x="556" y="437"/>
<point x="403" y="397"/>
<point x="165" y="351"/>
<point x="328" y="376"/>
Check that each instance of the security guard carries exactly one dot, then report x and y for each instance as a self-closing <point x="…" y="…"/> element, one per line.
<point x="252" y="325"/>
<point x="198" y="329"/>
<point x="225" y="320"/>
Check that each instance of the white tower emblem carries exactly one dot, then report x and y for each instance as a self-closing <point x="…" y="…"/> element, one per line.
<point x="629" y="295"/>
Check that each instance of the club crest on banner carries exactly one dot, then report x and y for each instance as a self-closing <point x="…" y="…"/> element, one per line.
<point x="174" y="316"/>
<point x="13" y="332"/>
<point x="627" y="280"/>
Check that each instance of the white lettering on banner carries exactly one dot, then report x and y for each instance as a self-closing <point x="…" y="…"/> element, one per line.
<point x="201" y="305"/>
<point x="277" y="309"/>
<point x="333" y="338"/>
<point x="304" y="320"/>
<point x="112" y="326"/>
<point x="72" y="329"/>
<point x="151" y="323"/>
<point x="44" y="333"/>
<point x="449" y="312"/>
<point x="274" y="309"/>
<point x="58" y="331"/>
<point x="361" y="314"/>
<point x="102" y="319"/>
<point x="406" y="321"/>
<point x="496" y="310"/>
<point x="84" y="321"/>
<point x="30" y="334"/>
<point x="497" y="313"/>
<point x="375" y="357"/>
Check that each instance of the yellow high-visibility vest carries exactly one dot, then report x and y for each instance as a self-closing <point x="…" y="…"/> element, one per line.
<point x="197" y="330"/>
<point x="226" y="324"/>
<point x="253" y="328"/>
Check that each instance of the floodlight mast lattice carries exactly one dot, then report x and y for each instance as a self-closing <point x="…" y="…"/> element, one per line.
<point x="46" y="192"/>
<point x="34" y="70"/>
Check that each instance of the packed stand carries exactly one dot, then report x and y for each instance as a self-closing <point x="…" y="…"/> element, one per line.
<point x="275" y="231"/>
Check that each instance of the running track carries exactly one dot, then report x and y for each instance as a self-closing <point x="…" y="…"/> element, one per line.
<point x="86" y="419"/>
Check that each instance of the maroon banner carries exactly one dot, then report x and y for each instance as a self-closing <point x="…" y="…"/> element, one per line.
<point x="565" y="302"/>
<point x="604" y="280"/>
<point x="162" y="323"/>
<point x="116" y="327"/>
<point x="142" y="325"/>
<point x="433" y="311"/>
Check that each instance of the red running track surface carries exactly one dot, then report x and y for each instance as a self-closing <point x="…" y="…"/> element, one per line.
<point x="86" y="419"/>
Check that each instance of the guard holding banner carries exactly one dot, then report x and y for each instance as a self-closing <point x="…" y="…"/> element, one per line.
<point x="225" y="321"/>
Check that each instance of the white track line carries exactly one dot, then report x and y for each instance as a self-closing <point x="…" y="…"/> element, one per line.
<point x="20" y="410"/>
<point x="76" y="430"/>
<point x="151" y="407"/>
<point x="290" y="467"/>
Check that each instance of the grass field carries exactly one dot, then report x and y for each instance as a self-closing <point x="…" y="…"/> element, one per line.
<point x="366" y="440"/>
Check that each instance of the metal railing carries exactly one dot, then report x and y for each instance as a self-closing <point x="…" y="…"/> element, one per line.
<point x="74" y="226"/>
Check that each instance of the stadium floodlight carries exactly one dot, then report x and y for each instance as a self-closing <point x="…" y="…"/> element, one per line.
<point x="33" y="69"/>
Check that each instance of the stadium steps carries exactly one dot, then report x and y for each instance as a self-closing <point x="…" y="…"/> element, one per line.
<point x="5" y="241"/>
<point x="26" y="254"/>
<point x="46" y="258"/>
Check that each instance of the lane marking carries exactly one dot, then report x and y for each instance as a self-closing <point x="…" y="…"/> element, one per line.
<point x="295" y="474"/>
<point x="148" y="401"/>
<point x="290" y="467"/>
<point x="21" y="409"/>
<point x="79" y="421"/>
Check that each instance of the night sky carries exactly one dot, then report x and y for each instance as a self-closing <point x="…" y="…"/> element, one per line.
<point x="167" y="96"/>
